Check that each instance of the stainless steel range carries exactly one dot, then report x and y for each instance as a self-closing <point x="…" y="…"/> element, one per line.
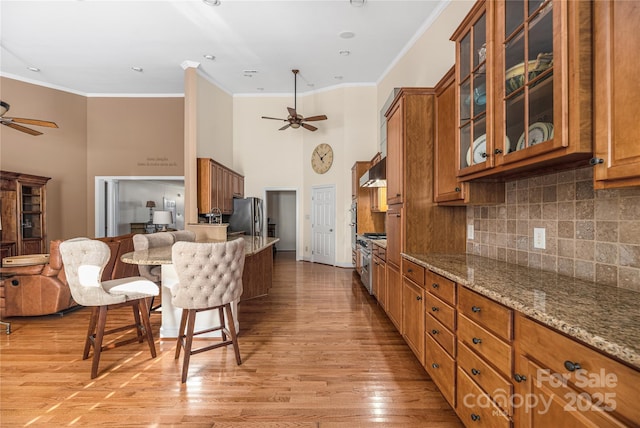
<point x="364" y="249"/>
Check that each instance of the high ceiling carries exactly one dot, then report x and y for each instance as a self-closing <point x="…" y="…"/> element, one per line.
<point x="90" y="47"/>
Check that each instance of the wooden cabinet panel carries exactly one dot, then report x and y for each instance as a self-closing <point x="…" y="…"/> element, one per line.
<point x="616" y="94"/>
<point x="217" y="186"/>
<point x="380" y="281"/>
<point x="413" y="271"/>
<point x="583" y="368"/>
<point x="441" y="311"/>
<point x="475" y="408"/>
<point x="440" y="334"/>
<point x="442" y="369"/>
<point x="413" y="317"/>
<point x="395" y="154"/>
<point x="394" y="296"/>
<point x="486" y="313"/>
<point x="394" y="235"/>
<point x="487" y="345"/>
<point x="238" y="185"/>
<point x="442" y="287"/>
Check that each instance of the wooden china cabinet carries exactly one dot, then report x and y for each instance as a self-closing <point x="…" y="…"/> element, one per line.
<point x="523" y="87"/>
<point x="23" y="208"/>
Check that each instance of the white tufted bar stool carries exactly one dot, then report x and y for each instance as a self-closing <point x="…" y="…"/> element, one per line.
<point x="84" y="260"/>
<point x="209" y="278"/>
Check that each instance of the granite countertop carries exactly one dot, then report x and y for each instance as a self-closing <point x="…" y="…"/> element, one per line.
<point x="605" y="317"/>
<point x="162" y="255"/>
<point x="380" y="242"/>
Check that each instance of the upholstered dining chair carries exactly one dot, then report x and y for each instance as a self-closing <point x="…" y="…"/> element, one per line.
<point x="84" y="260"/>
<point x="154" y="240"/>
<point x="209" y="278"/>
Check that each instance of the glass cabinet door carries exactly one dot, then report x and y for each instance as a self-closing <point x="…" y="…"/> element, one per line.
<point x="31" y="225"/>
<point x="526" y="76"/>
<point x="472" y="90"/>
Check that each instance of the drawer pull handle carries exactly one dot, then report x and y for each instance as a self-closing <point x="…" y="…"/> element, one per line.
<point x="475" y="309"/>
<point x="476" y="340"/>
<point x="418" y="298"/>
<point x="434" y="331"/>
<point x="435" y="285"/>
<point x="519" y="378"/>
<point x="435" y="365"/>
<point x="409" y="270"/>
<point x="475" y="417"/>
<point x="475" y="372"/>
<point x="571" y="366"/>
<point x="434" y="309"/>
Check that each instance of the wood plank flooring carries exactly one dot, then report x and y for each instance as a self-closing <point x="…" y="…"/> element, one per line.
<point x="317" y="352"/>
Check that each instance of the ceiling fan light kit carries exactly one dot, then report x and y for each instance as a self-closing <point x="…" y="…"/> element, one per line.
<point x="295" y="119"/>
<point x="12" y="122"/>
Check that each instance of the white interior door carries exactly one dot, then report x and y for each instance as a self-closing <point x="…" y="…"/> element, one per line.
<point x="323" y="222"/>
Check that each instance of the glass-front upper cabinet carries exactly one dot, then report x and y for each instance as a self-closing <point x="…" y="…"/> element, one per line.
<point x="539" y="44"/>
<point x="473" y="89"/>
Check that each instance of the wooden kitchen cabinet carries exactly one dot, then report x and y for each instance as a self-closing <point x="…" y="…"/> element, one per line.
<point x="595" y="391"/>
<point x="394" y="295"/>
<point x="395" y="233"/>
<point x="217" y="186"/>
<point x="616" y="94"/>
<point x="379" y="274"/>
<point x="395" y="153"/>
<point x="536" y="111"/>
<point x="24" y="212"/>
<point x="413" y="307"/>
<point x="448" y="189"/>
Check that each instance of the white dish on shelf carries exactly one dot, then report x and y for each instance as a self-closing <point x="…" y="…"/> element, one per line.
<point x="479" y="149"/>
<point x="538" y="133"/>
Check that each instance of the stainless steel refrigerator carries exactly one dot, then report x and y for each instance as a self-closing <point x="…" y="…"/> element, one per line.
<point x="247" y="216"/>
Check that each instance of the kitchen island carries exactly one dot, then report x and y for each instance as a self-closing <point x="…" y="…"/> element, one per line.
<point x="256" y="278"/>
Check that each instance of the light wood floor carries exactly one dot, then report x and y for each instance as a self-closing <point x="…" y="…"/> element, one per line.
<point x="317" y="352"/>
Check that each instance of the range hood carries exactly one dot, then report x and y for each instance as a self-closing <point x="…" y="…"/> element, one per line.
<point x="376" y="176"/>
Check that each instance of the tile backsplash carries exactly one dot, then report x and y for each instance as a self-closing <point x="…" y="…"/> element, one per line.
<point x="590" y="234"/>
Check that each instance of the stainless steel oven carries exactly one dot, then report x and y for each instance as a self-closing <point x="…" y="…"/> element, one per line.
<point x="364" y="249"/>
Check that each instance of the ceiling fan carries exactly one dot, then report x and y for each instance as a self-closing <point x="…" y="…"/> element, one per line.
<point x="297" y="120"/>
<point x="12" y="122"/>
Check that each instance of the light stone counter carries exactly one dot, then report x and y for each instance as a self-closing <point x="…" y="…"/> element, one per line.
<point x="380" y="242"/>
<point x="605" y="317"/>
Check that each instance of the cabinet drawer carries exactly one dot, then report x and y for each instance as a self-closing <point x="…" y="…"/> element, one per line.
<point x="413" y="271"/>
<point x="490" y="347"/>
<point x="489" y="314"/>
<point x="442" y="369"/>
<point x="442" y="287"/>
<point x="499" y="388"/>
<point x="441" y="311"/>
<point x="598" y="374"/>
<point x="441" y="334"/>
<point x="379" y="251"/>
<point x="474" y="408"/>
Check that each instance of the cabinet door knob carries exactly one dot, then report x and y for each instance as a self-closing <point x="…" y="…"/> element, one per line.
<point x="397" y="194"/>
<point x="409" y="270"/>
<point x="475" y="309"/>
<point x="475" y="417"/>
<point x="519" y="378"/>
<point x="571" y="366"/>
<point x="497" y="151"/>
<point x="434" y="331"/>
<point x="457" y="189"/>
<point x="435" y="365"/>
<point x="484" y="155"/>
<point x="476" y="340"/>
<point x="434" y="308"/>
<point x="595" y="161"/>
<point x="475" y="372"/>
<point x="418" y="298"/>
<point x="15" y="282"/>
<point x="435" y="285"/>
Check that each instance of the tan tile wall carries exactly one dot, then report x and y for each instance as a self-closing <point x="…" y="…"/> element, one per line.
<point x="590" y="234"/>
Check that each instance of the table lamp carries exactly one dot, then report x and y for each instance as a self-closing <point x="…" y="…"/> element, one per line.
<point x="162" y="218"/>
<point x="151" y="205"/>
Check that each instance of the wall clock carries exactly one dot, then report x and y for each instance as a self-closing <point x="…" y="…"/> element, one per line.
<point x="322" y="158"/>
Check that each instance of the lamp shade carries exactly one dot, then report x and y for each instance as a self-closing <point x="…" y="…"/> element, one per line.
<point x="151" y="204"/>
<point x="162" y="217"/>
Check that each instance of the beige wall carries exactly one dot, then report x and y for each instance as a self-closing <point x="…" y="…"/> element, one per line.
<point x="58" y="153"/>
<point x="215" y="123"/>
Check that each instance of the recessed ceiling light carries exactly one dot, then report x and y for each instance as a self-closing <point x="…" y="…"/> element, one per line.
<point x="211" y="2"/>
<point x="357" y="3"/>
<point x="138" y="69"/>
<point x="344" y="52"/>
<point x="311" y="85"/>
<point x="36" y="69"/>
<point x="209" y="57"/>
<point x="260" y="89"/>
<point x="337" y="77"/>
<point x="248" y="75"/>
<point x="347" y="34"/>
<point x="249" y="71"/>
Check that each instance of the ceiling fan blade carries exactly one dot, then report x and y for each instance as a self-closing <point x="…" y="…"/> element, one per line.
<point x="309" y="127"/>
<point x="312" y="118"/>
<point x="22" y="128"/>
<point x="273" y="118"/>
<point x="292" y="112"/>
<point x="33" y="122"/>
<point x="284" y="127"/>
